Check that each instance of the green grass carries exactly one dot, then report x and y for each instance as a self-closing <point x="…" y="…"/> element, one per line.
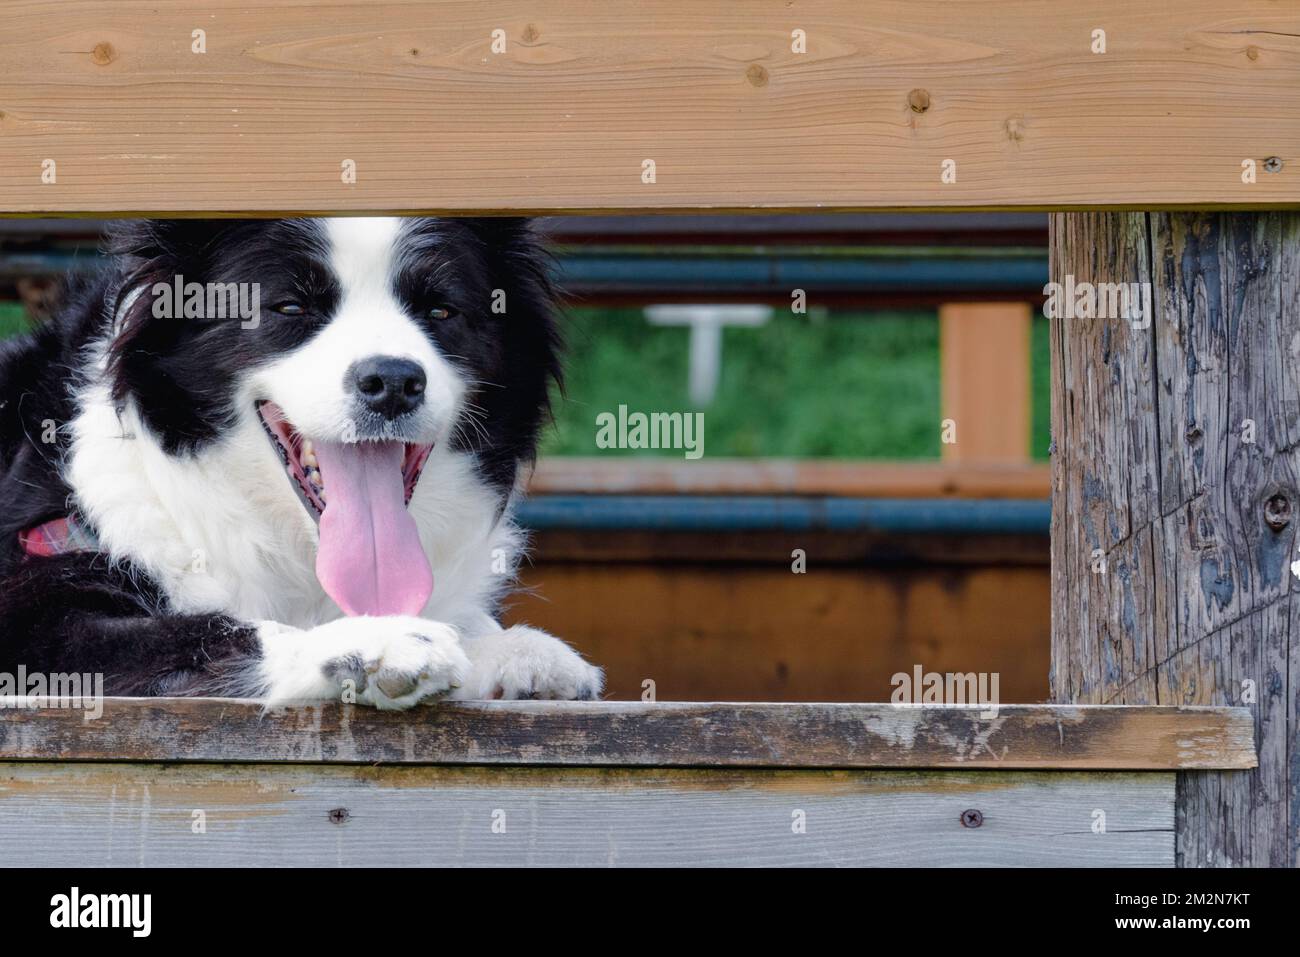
<point x="1041" y="378"/>
<point x="852" y="385"/>
<point x="12" y="319"/>
<point x="855" y="385"/>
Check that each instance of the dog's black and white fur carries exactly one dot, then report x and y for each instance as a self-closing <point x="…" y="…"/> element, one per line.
<point x="203" y="579"/>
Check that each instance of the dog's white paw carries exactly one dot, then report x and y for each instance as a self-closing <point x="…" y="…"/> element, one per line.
<point x="390" y="662"/>
<point x="522" y="662"/>
<point x="417" y="660"/>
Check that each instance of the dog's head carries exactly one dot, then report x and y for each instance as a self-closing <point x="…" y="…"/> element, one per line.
<point x="358" y="345"/>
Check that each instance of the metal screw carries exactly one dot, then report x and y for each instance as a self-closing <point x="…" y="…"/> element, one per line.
<point x="1273" y="164"/>
<point x="341" y="814"/>
<point x="1277" y="512"/>
<point x="971" y="818"/>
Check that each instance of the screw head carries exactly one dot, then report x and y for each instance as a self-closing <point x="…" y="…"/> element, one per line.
<point x="339" y="815"/>
<point x="971" y="818"/>
<point x="1273" y="164"/>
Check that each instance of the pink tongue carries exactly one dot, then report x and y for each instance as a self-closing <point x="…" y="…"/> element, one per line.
<point x="370" y="560"/>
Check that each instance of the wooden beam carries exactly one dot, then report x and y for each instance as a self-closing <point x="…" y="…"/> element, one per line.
<point x="585" y="92"/>
<point x="692" y="552"/>
<point x="739" y="631"/>
<point x="80" y="815"/>
<point x="1175" y="498"/>
<point x="664" y="734"/>
<point x="984" y="351"/>
<point x="641" y="476"/>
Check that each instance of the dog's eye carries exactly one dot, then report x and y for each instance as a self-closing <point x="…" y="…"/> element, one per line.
<point x="289" y="308"/>
<point x="441" y="312"/>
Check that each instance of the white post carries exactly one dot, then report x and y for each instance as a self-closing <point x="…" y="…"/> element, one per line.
<point x="706" y="322"/>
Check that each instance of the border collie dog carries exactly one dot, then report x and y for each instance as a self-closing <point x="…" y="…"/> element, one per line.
<point x="291" y="503"/>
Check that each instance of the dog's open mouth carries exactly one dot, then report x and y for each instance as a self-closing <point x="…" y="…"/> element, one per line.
<point x="370" y="560"/>
<point x="302" y="464"/>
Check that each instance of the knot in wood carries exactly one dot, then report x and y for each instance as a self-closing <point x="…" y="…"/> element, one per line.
<point x="1277" y="512"/>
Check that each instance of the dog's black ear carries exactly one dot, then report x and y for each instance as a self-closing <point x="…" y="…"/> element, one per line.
<point x="520" y="263"/>
<point x="516" y="243"/>
<point x="143" y="357"/>
<point x="504" y="230"/>
<point x="498" y="226"/>
<point x="146" y="243"/>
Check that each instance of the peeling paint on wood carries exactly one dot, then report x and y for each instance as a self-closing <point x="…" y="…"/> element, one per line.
<point x="664" y="734"/>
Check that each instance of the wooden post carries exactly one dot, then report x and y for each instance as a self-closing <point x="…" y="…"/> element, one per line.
<point x="1174" y="519"/>
<point x="984" y="359"/>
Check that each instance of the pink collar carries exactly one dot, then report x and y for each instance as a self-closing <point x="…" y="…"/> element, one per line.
<point x="59" y="536"/>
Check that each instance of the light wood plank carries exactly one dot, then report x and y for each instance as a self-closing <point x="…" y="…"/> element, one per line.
<point x="711" y="90"/>
<point x="664" y="734"/>
<point x="130" y="814"/>
<point x="984" y="352"/>
<point x="642" y="476"/>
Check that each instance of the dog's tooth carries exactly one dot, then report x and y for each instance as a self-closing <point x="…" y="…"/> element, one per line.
<point x="307" y="447"/>
<point x="309" y="459"/>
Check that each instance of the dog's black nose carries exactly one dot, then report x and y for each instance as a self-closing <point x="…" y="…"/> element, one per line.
<point x="388" y="385"/>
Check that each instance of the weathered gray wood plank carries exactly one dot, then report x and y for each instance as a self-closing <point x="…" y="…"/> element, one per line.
<point x="1177" y="458"/>
<point x="666" y="734"/>
<point x="275" y="815"/>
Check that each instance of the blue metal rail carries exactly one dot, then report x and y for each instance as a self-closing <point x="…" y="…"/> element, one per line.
<point x="762" y="273"/>
<point x="743" y="513"/>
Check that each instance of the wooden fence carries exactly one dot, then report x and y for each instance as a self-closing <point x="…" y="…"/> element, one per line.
<point x="1173" y="535"/>
<point x="220" y="782"/>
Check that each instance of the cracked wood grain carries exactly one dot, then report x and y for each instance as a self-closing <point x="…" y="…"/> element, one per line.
<point x="1176" y="459"/>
